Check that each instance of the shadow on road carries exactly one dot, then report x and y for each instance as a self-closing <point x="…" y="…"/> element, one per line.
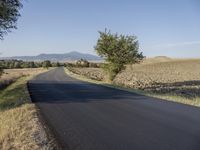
<point x="59" y="92"/>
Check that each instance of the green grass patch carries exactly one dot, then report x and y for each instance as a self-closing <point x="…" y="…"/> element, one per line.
<point x="15" y="94"/>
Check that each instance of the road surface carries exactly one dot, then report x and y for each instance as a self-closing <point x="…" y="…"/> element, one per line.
<point x="85" y="116"/>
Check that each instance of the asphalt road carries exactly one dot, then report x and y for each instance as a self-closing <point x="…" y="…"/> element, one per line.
<point x="86" y="116"/>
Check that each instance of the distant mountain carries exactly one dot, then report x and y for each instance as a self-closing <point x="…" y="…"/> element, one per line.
<point x="71" y="56"/>
<point x="162" y="57"/>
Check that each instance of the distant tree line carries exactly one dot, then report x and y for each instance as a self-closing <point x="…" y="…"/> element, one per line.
<point x="10" y="64"/>
<point x="15" y="64"/>
<point x="84" y="63"/>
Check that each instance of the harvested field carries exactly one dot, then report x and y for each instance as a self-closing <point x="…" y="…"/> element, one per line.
<point x="179" y="77"/>
<point x="171" y="79"/>
<point x="92" y="73"/>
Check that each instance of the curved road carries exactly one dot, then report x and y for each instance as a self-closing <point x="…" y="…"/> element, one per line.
<point x="86" y="116"/>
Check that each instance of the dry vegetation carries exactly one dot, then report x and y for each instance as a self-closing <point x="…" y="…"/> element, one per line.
<point x="19" y="124"/>
<point x="92" y="73"/>
<point x="173" y="79"/>
<point x="11" y="75"/>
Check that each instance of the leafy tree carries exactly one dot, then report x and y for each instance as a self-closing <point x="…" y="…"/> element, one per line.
<point x="82" y="63"/>
<point x="9" y="14"/>
<point x="38" y="64"/>
<point x="56" y="64"/>
<point x="6" y="65"/>
<point x="1" y="70"/>
<point x="31" y="64"/>
<point x="94" y="65"/>
<point x="25" y="65"/>
<point x="1" y="67"/>
<point x="17" y="64"/>
<point x="11" y="65"/>
<point x="46" y="64"/>
<point x="117" y="50"/>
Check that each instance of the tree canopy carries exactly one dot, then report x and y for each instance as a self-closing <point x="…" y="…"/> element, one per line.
<point x="9" y="14"/>
<point x="46" y="64"/>
<point x="117" y="50"/>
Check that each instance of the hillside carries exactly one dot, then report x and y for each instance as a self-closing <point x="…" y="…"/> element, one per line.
<point x="71" y="56"/>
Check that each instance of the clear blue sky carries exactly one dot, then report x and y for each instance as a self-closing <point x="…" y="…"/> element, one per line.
<point x="163" y="27"/>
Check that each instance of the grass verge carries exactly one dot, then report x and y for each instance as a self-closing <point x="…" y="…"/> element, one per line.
<point x="20" y="127"/>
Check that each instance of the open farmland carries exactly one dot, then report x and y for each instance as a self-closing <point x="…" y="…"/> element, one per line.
<point x="173" y="79"/>
<point x="92" y="73"/>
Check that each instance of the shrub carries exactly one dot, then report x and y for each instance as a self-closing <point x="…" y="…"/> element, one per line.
<point x="46" y="64"/>
<point x="82" y="63"/>
<point x="1" y="71"/>
<point x="117" y="50"/>
<point x="93" y="65"/>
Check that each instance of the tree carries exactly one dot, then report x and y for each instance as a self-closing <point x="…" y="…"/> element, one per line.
<point x="117" y="50"/>
<point x="38" y="64"/>
<point x="56" y="64"/>
<point x="82" y="63"/>
<point x="1" y="69"/>
<point x="17" y="64"/>
<point x="31" y="64"/>
<point x="46" y="64"/>
<point x="9" y="14"/>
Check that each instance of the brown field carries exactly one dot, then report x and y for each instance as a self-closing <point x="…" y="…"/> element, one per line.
<point x="92" y="73"/>
<point x="11" y="75"/>
<point x="20" y="127"/>
<point x="173" y="79"/>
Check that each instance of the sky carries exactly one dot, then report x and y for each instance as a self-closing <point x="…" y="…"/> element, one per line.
<point x="163" y="27"/>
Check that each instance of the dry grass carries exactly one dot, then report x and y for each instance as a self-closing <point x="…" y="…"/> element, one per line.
<point x="11" y="75"/>
<point x="21" y="129"/>
<point x="145" y="75"/>
<point x="92" y="73"/>
<point x="172" y="79"/>
<point x="19" y="124"/>
<point x="83" y="77"/>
